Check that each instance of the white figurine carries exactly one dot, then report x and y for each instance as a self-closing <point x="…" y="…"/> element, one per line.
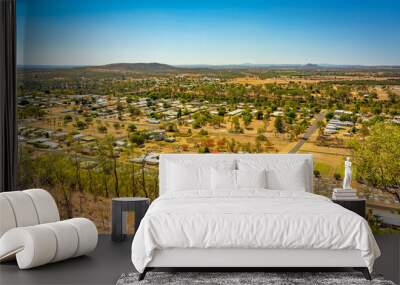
<point x="347" y="174"/>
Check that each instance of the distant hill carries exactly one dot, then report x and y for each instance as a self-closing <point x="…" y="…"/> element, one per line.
<point x="311" y="66"/>
<point x="155" y="67"/>
<point x="137" y="67"/>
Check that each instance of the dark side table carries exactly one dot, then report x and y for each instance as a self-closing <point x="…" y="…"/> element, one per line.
<point x="356" y="205"/>
<point x="120" y="207"/>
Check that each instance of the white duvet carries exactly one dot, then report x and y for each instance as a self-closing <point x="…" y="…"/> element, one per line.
<point x="250" y="219"/>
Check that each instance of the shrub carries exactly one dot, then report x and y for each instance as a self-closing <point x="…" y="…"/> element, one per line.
<point x="171" y="127"/>
<point x="204" y="149"/>
<point x="203" y="132"/>
<point x="196" y="124"/>
<point x="221" y="111"/>
<point x="102" y="129"/>
<point x="132" y="127"/>
<point x="137" y="138"/>
<point x="261" y="130"/>
<point x="261" y="137"/>
<point x="117" y="126"/>
<point x="80" y="125"/>
<point x="134" y="111"/>
<point x="67" y="119"/>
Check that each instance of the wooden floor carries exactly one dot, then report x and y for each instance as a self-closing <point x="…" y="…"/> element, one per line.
<point x="110" y="260"/>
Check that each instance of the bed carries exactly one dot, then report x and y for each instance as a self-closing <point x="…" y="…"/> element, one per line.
<point x="246" y="211"/>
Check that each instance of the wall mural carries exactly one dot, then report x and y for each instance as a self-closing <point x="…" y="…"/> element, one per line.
<point x="104" y="88"/>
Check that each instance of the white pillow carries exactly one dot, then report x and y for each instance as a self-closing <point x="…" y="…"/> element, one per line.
<point x="251" y="178"/>
<point x="183" y="178"/>
<point x="223" y="179"/>
<point x="282" y="174"/>
<point x="291" y="179"/>
<point x="193" y="175"/>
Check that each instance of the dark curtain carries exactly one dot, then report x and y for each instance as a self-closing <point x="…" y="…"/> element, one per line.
<point x="8" y="124"/>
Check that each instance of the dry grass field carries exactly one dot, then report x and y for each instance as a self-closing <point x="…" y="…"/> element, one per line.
<point x="396" y="89"/>
<point x="255" y="80"/>
<point x="278" y="80"/>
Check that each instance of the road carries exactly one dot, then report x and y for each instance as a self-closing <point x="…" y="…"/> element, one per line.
<point x="311" y="129"/>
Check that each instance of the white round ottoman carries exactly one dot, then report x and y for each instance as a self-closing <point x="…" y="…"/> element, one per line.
<point x="31" y="231"/>
<point x="52" y="242"/>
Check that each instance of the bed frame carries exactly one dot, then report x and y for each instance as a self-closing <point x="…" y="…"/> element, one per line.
<point x="246" y="259"/>
<point x="249" y="259"/>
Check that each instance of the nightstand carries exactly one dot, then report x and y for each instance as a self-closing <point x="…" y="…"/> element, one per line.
<point x="120" y="207"/>
<point x="356" y="205"/>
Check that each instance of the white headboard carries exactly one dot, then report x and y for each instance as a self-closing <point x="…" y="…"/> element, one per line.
<point x="164" y="158"/>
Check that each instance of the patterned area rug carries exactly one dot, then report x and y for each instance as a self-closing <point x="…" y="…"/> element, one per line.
<point x="243" y="278"/>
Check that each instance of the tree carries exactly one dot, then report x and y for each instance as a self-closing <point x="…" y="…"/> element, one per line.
<point x="279" y="127"/>
<point x="317" y="175"/>
<point x="196" y="124"/>
<point x="77" y="167"/>
<point x="260" y="115"/>
<point x="80" y="125"/>
<point x="67" y="119"/>
<point x="321" y="125"/>
<point x="131" y="153"/>
<point x="134" y="111"/>
<point x="247" y="117"/>
<point x="364" y="131"/>
<point x="102" y="129"/>
<point x="119" y="108"/>
<point x="143" y="166"/>
<point x="235" y="125"/>
<point x="137" y="138"/>
<point x="106" y="151"/>
<point x="62" y="174"/>
<point x="232" y="146"/>
<point x="290" y="116"/>
<point x="376" y="158"/>
<point x="31" y="111"/>
<point x="129" y="99"/>
<point x="329" y="115"/>
<point x="106" y="168"/>
<point x="221" y="111"/>
<point x="216" y="121"/>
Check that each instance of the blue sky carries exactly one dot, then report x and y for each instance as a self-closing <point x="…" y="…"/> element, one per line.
<point x="94" y="32"/>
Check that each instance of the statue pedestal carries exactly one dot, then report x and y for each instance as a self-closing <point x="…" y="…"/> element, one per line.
<point x="344" y="194"/>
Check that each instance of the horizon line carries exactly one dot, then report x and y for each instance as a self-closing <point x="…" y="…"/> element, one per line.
<point x="214" y="65"/>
